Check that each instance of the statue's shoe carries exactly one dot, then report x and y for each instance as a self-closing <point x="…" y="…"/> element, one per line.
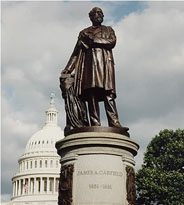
<point x="118" y="125"/>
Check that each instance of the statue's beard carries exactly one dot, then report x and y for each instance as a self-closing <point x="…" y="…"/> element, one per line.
<point x="98" y="19"/>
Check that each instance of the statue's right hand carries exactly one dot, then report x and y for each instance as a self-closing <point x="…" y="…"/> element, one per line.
<point x="65" y="71"/>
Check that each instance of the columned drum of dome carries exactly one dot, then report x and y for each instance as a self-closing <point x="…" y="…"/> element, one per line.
<point x="38" y="177"/>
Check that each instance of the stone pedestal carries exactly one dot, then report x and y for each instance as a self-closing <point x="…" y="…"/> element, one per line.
<point x="97" y="167"/>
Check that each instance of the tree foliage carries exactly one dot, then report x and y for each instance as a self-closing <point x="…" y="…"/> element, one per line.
<point x="160" y="181"/>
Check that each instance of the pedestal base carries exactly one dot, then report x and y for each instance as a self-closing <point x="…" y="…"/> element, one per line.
<point x="97" y="168"/>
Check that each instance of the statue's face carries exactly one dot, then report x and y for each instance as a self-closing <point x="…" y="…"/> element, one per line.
<point x="97" y="16"/>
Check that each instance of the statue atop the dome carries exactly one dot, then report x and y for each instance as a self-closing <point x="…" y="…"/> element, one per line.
<point x="52" y="99"/>
<point x="94" y="76"/>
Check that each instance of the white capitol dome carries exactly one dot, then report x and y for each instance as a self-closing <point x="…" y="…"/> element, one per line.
<point x="44" y="140"/>
<point x="39" y="168"/>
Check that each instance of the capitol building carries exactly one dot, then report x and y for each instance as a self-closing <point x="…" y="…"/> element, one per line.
<point x="38" y="177"/>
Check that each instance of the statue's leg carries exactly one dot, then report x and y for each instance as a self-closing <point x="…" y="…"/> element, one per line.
<point x="111" y="111"/>
<point x="94" y="111"/>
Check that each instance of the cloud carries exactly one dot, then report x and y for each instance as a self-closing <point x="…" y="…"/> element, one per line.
<point x="143" y="130"/>
<point x="149" y="63"/>
<point x="35" y="47"/>
<point x="37" y="41"/>
<point x="15" y="134"/>
<point x="149" y="67"/>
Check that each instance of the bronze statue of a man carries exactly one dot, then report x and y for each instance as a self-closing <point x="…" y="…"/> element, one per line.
<point x="92" y="60"/>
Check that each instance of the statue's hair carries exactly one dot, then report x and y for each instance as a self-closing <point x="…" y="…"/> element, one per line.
<point x="92" y="11"/>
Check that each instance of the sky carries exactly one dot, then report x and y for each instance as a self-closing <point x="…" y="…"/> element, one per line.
<point x="37" y="41"/>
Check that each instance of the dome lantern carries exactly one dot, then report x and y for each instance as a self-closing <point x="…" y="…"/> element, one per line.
<point x="51" y="113"/>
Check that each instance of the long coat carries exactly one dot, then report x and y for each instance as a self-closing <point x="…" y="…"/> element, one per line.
<point x="94" y="63"/>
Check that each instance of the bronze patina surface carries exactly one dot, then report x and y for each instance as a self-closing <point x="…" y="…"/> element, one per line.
<point x="130" y="185"/>
<point x="76" y="111"/>
<point x="65" y="185"/>
<point x="94" y="75"/>
<point x="122" y="131"/>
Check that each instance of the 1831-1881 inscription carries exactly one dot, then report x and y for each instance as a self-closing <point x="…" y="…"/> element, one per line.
<point x="100" y="186"/>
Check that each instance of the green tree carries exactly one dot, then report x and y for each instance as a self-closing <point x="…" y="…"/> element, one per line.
<point x="160" y="181"/>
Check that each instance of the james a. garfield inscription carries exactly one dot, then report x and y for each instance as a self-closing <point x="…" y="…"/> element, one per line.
<point x="93" y="65"/>
<point x="99" y="172"/>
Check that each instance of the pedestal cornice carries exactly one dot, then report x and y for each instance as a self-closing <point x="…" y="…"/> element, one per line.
<point x="97" y="137"/>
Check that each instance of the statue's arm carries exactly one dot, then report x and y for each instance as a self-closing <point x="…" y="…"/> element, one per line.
<point x="105" y="42"/>
<point x="71" y="63"/>
<point x="81" y="44"/>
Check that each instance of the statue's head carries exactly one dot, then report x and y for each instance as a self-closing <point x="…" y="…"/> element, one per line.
<point x="96" y="15"/>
